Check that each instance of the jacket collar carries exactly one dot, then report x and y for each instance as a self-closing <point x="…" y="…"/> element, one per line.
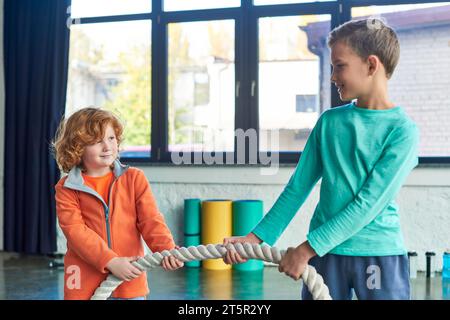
<point x="75" y="178"/>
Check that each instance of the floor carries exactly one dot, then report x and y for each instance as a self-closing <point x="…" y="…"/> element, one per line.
<point x="24" y="277"/>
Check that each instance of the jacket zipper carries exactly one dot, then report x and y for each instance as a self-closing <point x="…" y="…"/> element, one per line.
<point x="108" y="229"/>
<point x="107" y="217"/>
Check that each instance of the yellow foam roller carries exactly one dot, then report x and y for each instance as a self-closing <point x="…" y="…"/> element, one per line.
<point x="216" y="225"/>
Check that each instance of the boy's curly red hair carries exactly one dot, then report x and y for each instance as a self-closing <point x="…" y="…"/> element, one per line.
<point x="85" y="127"/>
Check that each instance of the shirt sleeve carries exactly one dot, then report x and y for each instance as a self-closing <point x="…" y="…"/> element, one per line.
<point x="84" y="241"/>
<point x="383" y="183"/>
<point x="306" y="175"/>
<point x="151" y="223"/>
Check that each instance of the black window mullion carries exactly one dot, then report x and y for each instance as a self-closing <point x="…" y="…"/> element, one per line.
<point x="253" y="81"/>
<point x="434" y="160"/>
<point x="242" y="99"/>
<point x="116" y="18"/>
<point x="240" y="78"/>
<point x="289" y="157"/>
<point x="159" y="112"/>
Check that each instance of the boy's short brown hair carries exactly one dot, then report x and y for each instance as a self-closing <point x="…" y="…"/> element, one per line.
<point x="367" y="37"/>
<point x="85" y="127"/>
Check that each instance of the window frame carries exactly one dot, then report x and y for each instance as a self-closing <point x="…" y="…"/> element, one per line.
<point x="246" y="65"/>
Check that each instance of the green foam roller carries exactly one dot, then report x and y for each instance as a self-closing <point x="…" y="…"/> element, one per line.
<point x="246" y="215"/>
<point x="192" y="226"/>
<point x="192" y="241"/>
<point x="192" y="212"/>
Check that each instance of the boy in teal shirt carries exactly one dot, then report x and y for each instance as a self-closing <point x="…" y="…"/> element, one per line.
<point x="363" y="152"/>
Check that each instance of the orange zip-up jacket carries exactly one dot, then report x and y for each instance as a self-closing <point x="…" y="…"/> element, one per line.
<point x="97" y="232"/>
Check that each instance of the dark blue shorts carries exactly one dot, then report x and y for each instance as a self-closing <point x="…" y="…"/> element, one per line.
<point x="371" y="278"/>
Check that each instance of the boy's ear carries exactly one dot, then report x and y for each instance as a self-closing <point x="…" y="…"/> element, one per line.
<point x="374" y="64"/>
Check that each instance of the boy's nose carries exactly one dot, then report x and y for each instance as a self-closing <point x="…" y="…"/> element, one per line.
<point x="333" y="78"/>
<point x="106" y="146"/>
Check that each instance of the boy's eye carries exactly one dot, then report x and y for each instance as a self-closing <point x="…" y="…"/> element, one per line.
<point x="339" y="65"/>
<point x="112" y="138"/>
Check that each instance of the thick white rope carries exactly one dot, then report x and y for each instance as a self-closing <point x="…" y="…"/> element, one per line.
<point x="310" y="277"/>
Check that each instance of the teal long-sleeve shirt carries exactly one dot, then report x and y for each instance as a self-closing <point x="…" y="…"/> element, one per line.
<point x="363" y="157"/>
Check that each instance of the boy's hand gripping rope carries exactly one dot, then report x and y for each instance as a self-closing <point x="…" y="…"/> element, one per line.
<point x="310" y="277"/>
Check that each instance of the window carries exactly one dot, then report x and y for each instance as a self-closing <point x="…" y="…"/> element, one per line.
<point x="96" y="8"/>
<point x="110" y="67"/>
<point x="178" y="5"/>
<point x="263" y="66"/>
<point x="201" y="86"/>
<point x="292" y="63"/>
<point x="421" y="82"/>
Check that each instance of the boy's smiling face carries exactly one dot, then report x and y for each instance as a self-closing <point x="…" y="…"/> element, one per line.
<point x="350" y="73"/>
<point x="98" y="157"/>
